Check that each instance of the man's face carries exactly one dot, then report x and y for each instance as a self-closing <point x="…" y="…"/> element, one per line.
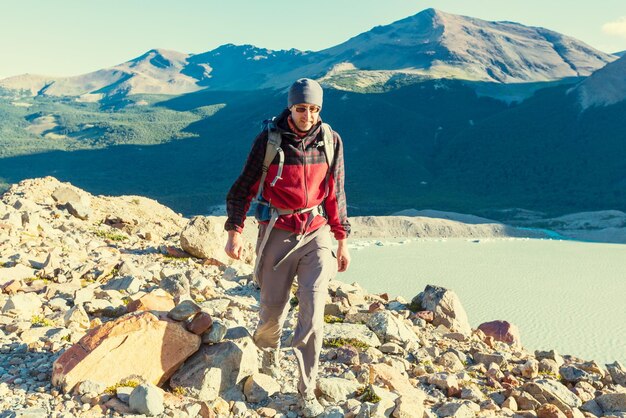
<point x="305" y="115"/>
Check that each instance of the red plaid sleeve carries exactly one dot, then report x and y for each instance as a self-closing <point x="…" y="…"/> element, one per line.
<point x="246" y="186"/>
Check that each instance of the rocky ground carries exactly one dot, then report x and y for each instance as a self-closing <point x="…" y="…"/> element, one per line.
<point x="118" y="306"/>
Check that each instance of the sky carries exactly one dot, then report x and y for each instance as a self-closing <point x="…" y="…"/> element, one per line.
<point x="71" y="37"/>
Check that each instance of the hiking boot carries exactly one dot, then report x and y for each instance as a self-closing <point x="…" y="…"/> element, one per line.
<point x="310" y="406"/>
<point x="270" y="362"/>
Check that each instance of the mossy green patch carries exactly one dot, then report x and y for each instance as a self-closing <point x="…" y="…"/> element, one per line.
<point x="340" y="342"/>
<point x="367" y="394"/>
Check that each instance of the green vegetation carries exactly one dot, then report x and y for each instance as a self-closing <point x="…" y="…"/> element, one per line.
<point x="41" y="321"/>
<point x="179" y="391"/>
<point x="30" y="125"/>
<point x="112" y="390"/>
<point x="443" y="146"/>
<point x="332" y="319"/>
<point x="340" y="342"/>
<point x="367" y="394"/>
<point x="111" y="236"/>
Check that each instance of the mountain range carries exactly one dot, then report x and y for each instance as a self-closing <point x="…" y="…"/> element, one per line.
<point x="436" y="110"/>
<point x="430" y="44"/>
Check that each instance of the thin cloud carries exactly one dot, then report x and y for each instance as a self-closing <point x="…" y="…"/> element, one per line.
<point x="616" y="27"/>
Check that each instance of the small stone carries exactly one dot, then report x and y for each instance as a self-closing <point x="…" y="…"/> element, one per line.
<point x="123" y="393"/>
<point x="549" y="366"/>
<point x="215" y="334"/>
<point x="530" y="369"/>
<point x="427" y="316"/>
<point x="259" y="387"/>
<point x="552" y="355"/>
<point x="376" y="307"/>
<point x="146" y="399"/>
<point x="550" y="411"/>
<point x="184" y="310"/>
<point x="573" y="374"/>
<point x="391" y="348"/>
<point x="267" y="412"/>
<point x="89" y="386"/>
<point x="200" y="323"/>
<point x="153" y="301"/>
<point x="510" y="403"/>
<point x="221" y="407"/>
<point x="76" y="318"/>
<point x="348" y="354"/>
<point x="450" y="362"/>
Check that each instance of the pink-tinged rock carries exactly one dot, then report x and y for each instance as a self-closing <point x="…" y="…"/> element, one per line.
<point x="550" y="411"/>
<point x="175" y="252"/>
<point x="411" y="401"/>
<point x="137" y="344"/>
<point x="200" y="323"/>
<point x="502" y="331"/>
<point x="427" y="316"/>
<point x="509" y="382"/>
<point x="376" y="307"/>
<point x="152" y="302"/>
<point x="12" y="287"/>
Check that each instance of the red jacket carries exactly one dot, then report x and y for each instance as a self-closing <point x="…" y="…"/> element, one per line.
<point x="303" y="182"/>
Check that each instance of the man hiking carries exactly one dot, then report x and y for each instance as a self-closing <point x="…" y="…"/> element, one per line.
<point x="295" y="169"/>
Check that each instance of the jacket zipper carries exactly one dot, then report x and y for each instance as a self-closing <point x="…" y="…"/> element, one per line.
<point x="306" y="189"/>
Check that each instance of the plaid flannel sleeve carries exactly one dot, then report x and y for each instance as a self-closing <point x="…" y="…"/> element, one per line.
<point x="246" y="186"/>
<point x="336" y="207"/>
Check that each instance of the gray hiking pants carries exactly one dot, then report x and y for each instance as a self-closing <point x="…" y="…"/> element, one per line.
<point x="314" y="264"/>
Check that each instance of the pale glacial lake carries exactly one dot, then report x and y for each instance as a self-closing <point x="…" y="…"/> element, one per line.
<point x="563" y="295"/>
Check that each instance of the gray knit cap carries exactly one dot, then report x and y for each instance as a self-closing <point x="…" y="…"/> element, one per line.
<point x="305" y="90"/>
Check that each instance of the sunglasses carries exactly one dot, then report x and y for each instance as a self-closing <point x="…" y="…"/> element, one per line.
<point x="302" y="109"/>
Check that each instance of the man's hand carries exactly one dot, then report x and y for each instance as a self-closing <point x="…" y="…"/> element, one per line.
<point x="234" y="245"/>
<point x="343" y="256"/>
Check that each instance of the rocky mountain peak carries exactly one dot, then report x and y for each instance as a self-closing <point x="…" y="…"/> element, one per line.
<point x="605" y="86"/>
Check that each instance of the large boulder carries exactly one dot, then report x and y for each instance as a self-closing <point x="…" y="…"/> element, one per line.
<point x="218" y="370"/>
<point x="138" y="344"/>
<point x="446" y="306"/>
<point x="502" y="331"/>
<point x="347" y="332"/>
<point x="617" y="372"/>
<point x="204" y="237"/>
<point x="553" y="392"/>
<point x="75" y="201"/>
<point x="389" y="328"/>
<point x="612" y="402"/>
<point x="24" y="305"/>
<point x="17" y="272"/>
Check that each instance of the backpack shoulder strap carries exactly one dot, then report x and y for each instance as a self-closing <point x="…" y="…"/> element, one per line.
<point x="329" y="151"/>
<point x="329" y="144"/>
<point x="272" y="148"/>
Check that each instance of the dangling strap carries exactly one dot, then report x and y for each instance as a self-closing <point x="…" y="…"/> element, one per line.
<point x="276" y="213"/>
<point x="302" y="239"/>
